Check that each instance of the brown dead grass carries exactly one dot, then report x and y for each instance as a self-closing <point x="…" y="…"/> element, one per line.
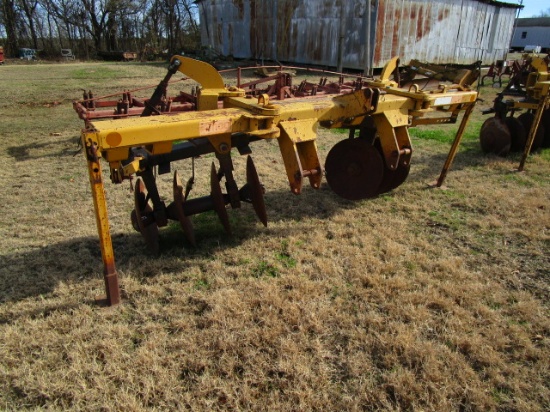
<point x="420" y="299"/>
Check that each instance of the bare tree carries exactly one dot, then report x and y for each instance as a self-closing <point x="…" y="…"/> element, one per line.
<point x="98" y="25"/>
<point x="28" y="8"/>
<point x="9" y="18"/>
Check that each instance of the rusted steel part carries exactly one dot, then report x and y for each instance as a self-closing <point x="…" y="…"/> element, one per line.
<point x="218" y="200"/>
<point x="179" y="200"/>
<point x="393" y="178"/>
<point x="256" y="191"/>
<point x="354" y="169"/>
<point x="104" y="107"/>
<point x="518" y="134"/>
<point x="536" y="126"/>
<point x="144" y="218"/>
<point x="527" y="119"/>
<point x="495" y="137"/>
<point x="100" y="205"/>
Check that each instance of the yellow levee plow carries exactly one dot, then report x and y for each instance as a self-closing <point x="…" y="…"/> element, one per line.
<point x="143" y="137"/>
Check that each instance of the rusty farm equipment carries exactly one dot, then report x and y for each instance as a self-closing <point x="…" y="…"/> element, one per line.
<point x="527" y="95"/>
<point x="144" y="136"/>
<point x="502" y="68"/>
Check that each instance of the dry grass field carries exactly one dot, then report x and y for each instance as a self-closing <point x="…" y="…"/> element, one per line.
<point x="419" y="300"/>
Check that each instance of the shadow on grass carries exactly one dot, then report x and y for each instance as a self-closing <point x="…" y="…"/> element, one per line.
<point x="23" y="153"/>
<point x="37" y="272"/>
<point x="468" y="156"/>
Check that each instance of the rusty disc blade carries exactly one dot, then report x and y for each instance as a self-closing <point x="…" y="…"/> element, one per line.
<point x="144" y="218"/>
<point x="354" y="169"/>
<point x="527" y="120"/>
<point x="518" y="134"/>
<point x="494" y="137"/>
<point x="392" y="178"/>
<point x="256" y="191"/>
<point x="179" y="200"/>
<point x="217" y="199"/>
<point x="133" y="217"/>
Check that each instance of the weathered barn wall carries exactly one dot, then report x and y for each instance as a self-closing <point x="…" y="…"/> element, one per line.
<point x="320" y="31"/>
<point x="443" y="31"/>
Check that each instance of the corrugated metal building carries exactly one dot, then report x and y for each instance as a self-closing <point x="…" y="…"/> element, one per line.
<point x="358" y="34"/>
<point x="532" y="32"/>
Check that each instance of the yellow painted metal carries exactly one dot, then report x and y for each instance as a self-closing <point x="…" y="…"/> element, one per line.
<point x="542" y="106"/>
<point x="387" y="71"/>
<point x="102" y="221"/>
<point x="293" y="121"/>
<point x="203" y="73"/>
<point x="225" y="111"/>
<point x="212" y="84"/>
<point x="299" y="150"/>
<point x="454" y="146"/>
<point x="293" y="164"/>
<point x="390" y="147"/>
<point x="300" y="130"/>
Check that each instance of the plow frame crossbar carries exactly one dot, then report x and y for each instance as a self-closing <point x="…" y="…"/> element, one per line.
<point x="227" y="118"/>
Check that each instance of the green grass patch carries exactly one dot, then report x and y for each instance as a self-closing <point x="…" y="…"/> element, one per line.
<point x="95" y="72"/>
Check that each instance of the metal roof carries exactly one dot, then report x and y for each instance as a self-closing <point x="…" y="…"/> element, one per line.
<point x="533" y="22"/>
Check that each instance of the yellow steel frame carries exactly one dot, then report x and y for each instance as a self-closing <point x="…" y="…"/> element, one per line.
<point x="293" y="122"/>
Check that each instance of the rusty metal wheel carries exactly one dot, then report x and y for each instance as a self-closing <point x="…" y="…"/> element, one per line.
<point x="527" y="120"/>
<point x="179" y="200"/>
<point x="392" y="178"/>
<point x="218" y="200"/>
<point x="495" y="137"/>
<point x="143" y="218"/>
<point x="518" y="135"/>
<point x="256" y="191"/>
<point x="354" y="169"/>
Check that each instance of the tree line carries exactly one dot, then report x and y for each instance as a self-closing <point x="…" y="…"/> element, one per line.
<point x="89" y="27"/>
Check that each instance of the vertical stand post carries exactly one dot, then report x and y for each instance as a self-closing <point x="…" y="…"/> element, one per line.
<point x="533" y="131"/>
<point x="100" y="206"/>
<point x="454" y="147"/>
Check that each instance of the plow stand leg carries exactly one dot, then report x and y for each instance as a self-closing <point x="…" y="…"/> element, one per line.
<point x="454" y="147"/>
<point x="100" y="206"/>
<point x="533" y="131"/>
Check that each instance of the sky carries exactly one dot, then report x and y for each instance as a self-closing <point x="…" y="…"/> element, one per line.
<point x="532" y="7"/>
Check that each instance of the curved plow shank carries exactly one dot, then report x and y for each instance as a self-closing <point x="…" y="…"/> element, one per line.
<point x="218" y="200"/>
<point x="144" y="219"/>
<point x="179" y="200"/>
<point x="256" y="191"/>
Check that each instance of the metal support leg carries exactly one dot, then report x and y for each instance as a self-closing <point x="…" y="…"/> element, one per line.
<point x="454" y="147"/>
<point x="100" y="205"/>
<point x="533" y="131"/>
